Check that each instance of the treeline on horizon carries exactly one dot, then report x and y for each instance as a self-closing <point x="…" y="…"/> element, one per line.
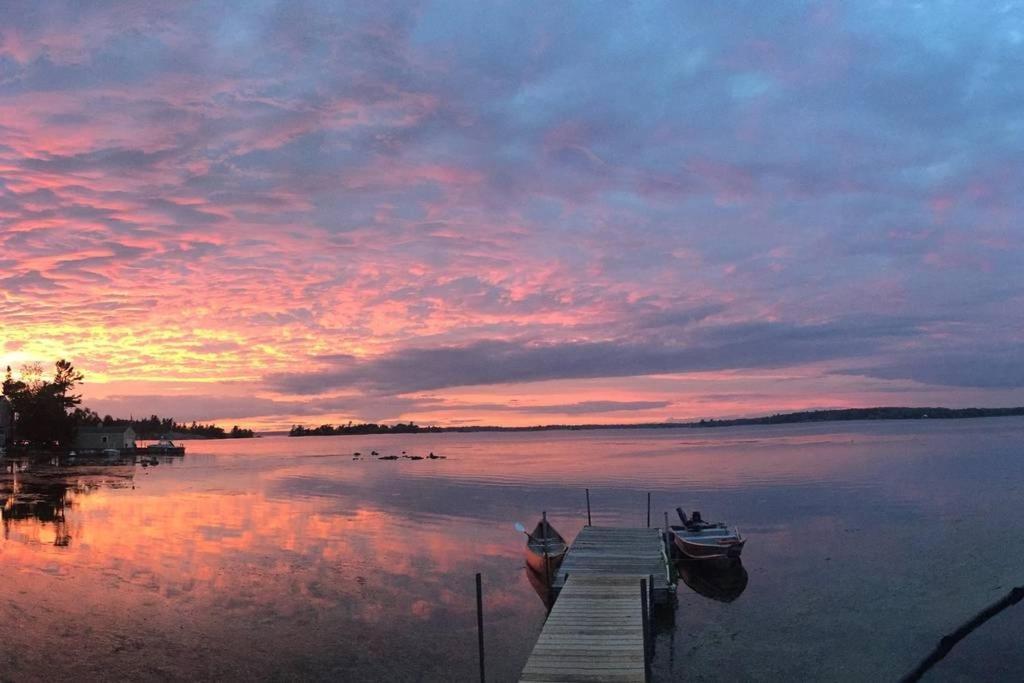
<point x="362" y="428"/>
<point x="838" y="415"/>
<point x="48" y="412"/>
<point x="154" y="426"/>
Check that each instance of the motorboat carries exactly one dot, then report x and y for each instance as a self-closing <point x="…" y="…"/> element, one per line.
<point x="700" y="540"/>
<point x="165" y="447"/>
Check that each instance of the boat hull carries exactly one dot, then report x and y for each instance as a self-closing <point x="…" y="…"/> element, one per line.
<point x="165" y="450"/>
<point x="708" y="551"/>
<point x="545" y="549"/>
<point x="535" y="561"/>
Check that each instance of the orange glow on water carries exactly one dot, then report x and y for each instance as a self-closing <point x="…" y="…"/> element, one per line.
<point x="279" y="553"/>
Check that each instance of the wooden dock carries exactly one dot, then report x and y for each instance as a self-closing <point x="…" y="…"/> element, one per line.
<point x="595" y="631"/>
<point x="614" y="551"/>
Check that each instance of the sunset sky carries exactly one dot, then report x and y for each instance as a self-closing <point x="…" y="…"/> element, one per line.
<point x="269" y="213"/>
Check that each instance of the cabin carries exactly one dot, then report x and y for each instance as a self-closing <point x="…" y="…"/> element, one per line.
<point x="102" y="438"/>
<point x="6" y="422"/>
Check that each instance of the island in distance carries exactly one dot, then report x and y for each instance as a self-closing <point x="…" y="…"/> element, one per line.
<point x="838" y="415"/>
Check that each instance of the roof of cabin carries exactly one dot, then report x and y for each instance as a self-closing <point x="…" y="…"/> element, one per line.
<point x="116" y="429"/>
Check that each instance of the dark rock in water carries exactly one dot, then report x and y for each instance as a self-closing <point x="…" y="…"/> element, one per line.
<point x="415" y="457"/>
<point x="388" y="457"/>
<point x="437" y="457"/>
<point x="374" y="453"/>
<point x="357" y="453"/>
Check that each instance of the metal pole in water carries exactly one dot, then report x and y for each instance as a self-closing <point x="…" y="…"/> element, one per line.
<point x="480" y="623"/>
<point x="644" y="616"/>
<point x="648" y="509"/>
<point x="588" y="508"/>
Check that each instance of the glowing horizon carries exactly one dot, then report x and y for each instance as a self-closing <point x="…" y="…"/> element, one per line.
<point x="513" y="214"/>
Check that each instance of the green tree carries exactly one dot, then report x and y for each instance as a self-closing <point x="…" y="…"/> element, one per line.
<point x="45" y="410"/>
<point x="84" y="417"/>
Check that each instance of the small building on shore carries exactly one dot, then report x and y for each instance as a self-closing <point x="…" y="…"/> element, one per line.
<point x="6" y="422"/>
<point x="102" y="438"/>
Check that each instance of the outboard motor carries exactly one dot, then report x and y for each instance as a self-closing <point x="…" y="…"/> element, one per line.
<point x="696" y="518"/>
<point x="682" y="515"/>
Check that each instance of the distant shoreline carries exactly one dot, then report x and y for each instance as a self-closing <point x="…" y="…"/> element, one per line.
<point x="839" y="415"/>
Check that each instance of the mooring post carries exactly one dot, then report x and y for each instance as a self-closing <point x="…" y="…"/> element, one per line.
<point x="588" y="508"/>
<point x="547" y="560"/>
<point x="648" y="509"/>
<point x="645" y="616"/>
<point x="480" y="623"/>
<point x="667" y="541"/>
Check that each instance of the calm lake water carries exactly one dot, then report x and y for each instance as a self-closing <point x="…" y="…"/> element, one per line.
<point x="285" y="559"/>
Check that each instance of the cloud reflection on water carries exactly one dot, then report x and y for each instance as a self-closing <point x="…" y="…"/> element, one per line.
<point x="248" y="560"/>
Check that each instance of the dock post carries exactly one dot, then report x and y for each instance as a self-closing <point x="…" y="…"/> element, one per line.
<point x="547" y="560"/>
<point x="668" y="542"/>
<point x="480" y="623"/>
<point x="588" y="508"/>
<point x="648" y="509"/>
<point x="645" y="617"/>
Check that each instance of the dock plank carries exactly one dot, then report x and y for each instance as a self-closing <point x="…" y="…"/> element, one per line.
<point x="594" y="634"/>
<point x="637" y="552"/>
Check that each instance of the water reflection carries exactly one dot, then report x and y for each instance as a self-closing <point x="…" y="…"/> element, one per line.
<point x="285" y="559"/>
<point x="541" y="586"/>
<point x="38" y="493"/>
<point x="721" y="580"/>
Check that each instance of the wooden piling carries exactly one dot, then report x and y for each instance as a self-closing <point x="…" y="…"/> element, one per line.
<point x="480" y="623"/>
<point x="547" y="560"/>
<point x="645" y="619"/>
<point x="667" y="538"/>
